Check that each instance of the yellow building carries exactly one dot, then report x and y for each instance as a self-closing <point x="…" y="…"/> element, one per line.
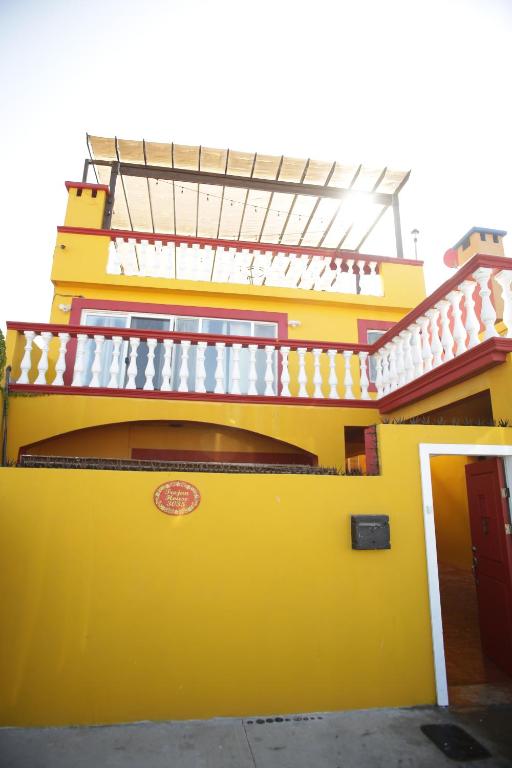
<point x="247" y="467"/>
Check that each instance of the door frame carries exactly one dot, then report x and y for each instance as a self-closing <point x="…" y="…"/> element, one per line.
<point x="426" y="451"/>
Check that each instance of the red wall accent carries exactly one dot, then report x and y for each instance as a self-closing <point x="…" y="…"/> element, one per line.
<point x="371" y="451"/>
<point x="233" y="457"/>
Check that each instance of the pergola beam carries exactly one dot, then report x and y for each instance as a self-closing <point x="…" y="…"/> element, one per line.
<point x="220" y="179"/>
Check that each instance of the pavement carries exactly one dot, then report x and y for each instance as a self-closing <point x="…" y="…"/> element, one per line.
<point x="377" y="738"/>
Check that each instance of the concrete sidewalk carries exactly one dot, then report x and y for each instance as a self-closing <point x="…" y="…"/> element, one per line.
<point x="366" y="739"/>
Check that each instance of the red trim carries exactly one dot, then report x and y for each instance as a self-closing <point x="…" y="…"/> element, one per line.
<point x="196" y="396"/>
<point x="465" y="271"/>
<point x="371" y="450"/>
<point x="477" y="360"/>
<point x="280" y="318"/>
<point x="81" y="185"/>
<point x="363" y="326"/>
<point x="151" y="237"/>
<point x="224" y="457"/>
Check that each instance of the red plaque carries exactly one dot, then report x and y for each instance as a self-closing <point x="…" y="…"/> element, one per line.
<point x="177" y="498"/>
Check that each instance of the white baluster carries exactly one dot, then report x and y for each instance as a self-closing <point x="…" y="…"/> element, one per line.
<point x="183" y="374"/>
<point x="488" y="313"/>
<point x="393" y="373"/>
<point x="417" y="360"/>
<point x="459" y="332"/>
<point x="113" y="382"/>
<point x="200" y="385"/>
<point x="347" y="381"/>
<point x="235" y="369"/>
<point x="303" y="377"/>
<point x="446" y="334"/>
<point x="78" y="371"/>
<point x="435" y="344"/>
<point x="60" y="365"/>
<point x="26" y="363"/>
<point x="400" y="362"/>
<point x="472" y="323"/>
<point x="386" y="380"/>
<point x="167" y="368"/>
<point x="378" y="358"/>
<point x="364" y="282"/>
<point x="43" y="360"/>
<point x="132" y="368"/>
<point x="376" y="280"/>
<point x="333" y="378"/>
<point x="363" y="375"/>
<point x="114" y="259"/>
<point x="408" y="364"/>
<point x="504" y="278"/>
<point x="426" y="349"/>
<point x="285" y="373"/>
<point x="253" y="373"/>
<point x="317" y="375"/>
<point x="219" y="370"/>
<point x="269" y="369"/>
<point x="96" y="363"/>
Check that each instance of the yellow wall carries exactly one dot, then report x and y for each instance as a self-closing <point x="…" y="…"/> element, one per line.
<point x="451" y="513"/>
<point x="119" y="440"/>
<point x="84" y="210"/>
<point x="254" y="603"/>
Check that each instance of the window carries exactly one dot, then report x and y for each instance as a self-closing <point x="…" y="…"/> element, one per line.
<point x="184" y="324"/>
<point x="371" y="338"/>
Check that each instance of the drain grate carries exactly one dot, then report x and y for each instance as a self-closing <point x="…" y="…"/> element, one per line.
<point x="455" y="742"/>
<point x="295" y="718"/>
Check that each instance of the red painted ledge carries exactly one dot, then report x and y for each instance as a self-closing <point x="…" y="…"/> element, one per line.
<point x="477" y="360"/>
<point x="326" y="253"/>
<point x="208" y="397"/>
<point x="83" y="185"/>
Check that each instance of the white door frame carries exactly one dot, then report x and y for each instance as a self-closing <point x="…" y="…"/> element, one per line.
<point x="449" y="449"/>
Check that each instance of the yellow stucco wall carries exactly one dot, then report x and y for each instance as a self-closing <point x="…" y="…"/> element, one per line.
<point x="254" y="603"/>
<point x="451" y="513"/>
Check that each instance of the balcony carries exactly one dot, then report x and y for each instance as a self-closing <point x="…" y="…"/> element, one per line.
<point x="463" y="328"/>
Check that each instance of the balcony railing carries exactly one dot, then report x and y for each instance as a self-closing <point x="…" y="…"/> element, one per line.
<point x="113" y="360"/>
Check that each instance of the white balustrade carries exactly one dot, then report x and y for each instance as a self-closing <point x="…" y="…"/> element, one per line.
<point x="183" y="372"/>
<point x="426" y="348"/>
<point x="269" y="369"/>
<point x="60" y="365"/>
<point x="408" y="364"/>
<point x="363" y="375"/>
<point x="447" y="341"/>
<point x="435" y="343"/>
<point x="43" y="360"/>
<point x="219" y="369"/>
<point x="317" y="374"/>
<point x="333" y="378"/>
<point x="285" y="373"/>
<point x="79" y="369"/>
<point x="417" y="360"/>
<point x="26" y="363"/>
<point x="167" y="367"/>
<point x="302" y="377"/>
<point x="459" y="332"/>
<point x="132" y="365"/>
<point x="472" y="324"/>
<point x="504" y="280"/>
<point x="347" y="380"/>
<point x="114" y="370"/>
<point x="488" y="313"/>
<point x="149" y="372"/>
<point x="96" y="363"/>
<point x="200" y="385"/>
<point x="235" y="369"/>
<point x="253" y="374"/>
<point x="400" y="361"/>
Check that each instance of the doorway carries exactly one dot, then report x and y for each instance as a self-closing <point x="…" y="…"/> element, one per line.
<point x="469" y="559"/>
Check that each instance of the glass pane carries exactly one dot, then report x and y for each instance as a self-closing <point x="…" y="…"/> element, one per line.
<point x="239" y="328"/>
<point x="371" y="337"/>
<point x="149" y="324"/>
<point x="102" y="321"/>
<point x="185" y="325"/>
<point x="266" y="330"/>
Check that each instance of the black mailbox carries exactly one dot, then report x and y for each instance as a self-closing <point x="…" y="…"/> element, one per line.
<point x="370" y="532"/>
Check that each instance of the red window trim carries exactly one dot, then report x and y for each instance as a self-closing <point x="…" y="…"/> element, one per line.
<point x="280" y="318"/>
<point x="363" y="326"/>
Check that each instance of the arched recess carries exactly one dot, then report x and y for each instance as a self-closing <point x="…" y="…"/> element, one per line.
<point x="173" y="440"/>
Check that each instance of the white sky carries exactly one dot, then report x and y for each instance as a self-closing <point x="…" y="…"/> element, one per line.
<point x="408" y="84"/>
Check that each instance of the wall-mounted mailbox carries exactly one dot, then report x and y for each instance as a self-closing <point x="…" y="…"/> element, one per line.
<point x="370" y="532"/>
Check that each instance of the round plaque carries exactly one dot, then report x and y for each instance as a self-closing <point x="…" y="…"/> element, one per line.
<point x="177" y="497"/>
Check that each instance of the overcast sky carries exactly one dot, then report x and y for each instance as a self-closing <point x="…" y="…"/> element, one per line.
<point x="408" y="84"/>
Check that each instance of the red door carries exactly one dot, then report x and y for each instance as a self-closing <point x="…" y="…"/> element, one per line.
<point x="492" y="558"/>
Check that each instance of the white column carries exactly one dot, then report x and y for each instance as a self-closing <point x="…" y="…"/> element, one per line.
<point x="386" y="380"/>
<point x="363" y="375"/>
<point x="114" y="259"/>
<point x="167" y="368"/>
<point x="303" y="378"/>
<point x="317" y="375"/>
<point x="446" y="334"/>
<point x="132" y="368"/>
<point x="253" y="373"/>
<point x="347" y="381"/>
<point x="285" y="373"/>
<point x="96" y="363"/>
<point x="113" y="382"/>
<point x="200" y="385"/>
<point x="400" y="362"/>
<point x="333" y="378"/>
<point x="43" y="360"/>
<point x="364" y="281"/>
<point x="488" y="313"/>
<point x="459" y="332"/>
<point x="183" y="374"/>
<point x="393" y="373"/>
<point x="405" y="335"/>
<point x="60" y="365"/>
<point x="78" y="371"/>
<point x="235" y="370"/>
<point x="269" y="369"/>
<point x="378" y="358"/>
<point x="26" y="363"/>
<point x="435" y="344"/>
<point x="417" y="361"/>
<point x="504" y="279"/>
<point x="472" y="324"/>
<point x="426" y="350"/>
<point x="219" y="369"/>
<point x="376" y="280"/>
